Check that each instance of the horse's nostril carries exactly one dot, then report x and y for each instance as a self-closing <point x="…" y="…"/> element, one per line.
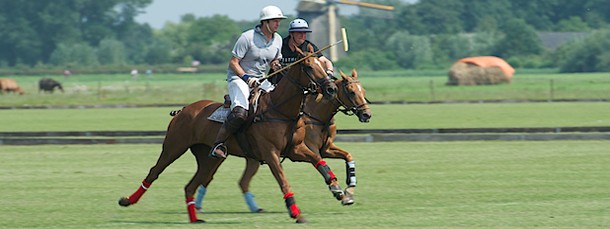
<point x="330" y="90"/>
<point x="364" y="117"/>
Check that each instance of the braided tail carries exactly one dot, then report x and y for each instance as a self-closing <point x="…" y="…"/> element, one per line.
<point x="174" y="113"/>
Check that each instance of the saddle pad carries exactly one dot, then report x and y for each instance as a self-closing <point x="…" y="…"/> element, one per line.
<point x="220" y="114"/>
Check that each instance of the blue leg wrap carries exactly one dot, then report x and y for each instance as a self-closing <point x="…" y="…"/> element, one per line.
<point x="200" y="194"/>
<point x="249" y="197"/>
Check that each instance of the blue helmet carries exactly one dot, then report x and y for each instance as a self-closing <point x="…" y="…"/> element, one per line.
<point x="298" y="25"/>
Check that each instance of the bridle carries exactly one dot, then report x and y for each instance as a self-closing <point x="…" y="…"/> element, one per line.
<point x="354" y="108"/>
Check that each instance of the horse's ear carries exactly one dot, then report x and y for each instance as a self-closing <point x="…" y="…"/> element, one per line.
<point x="310" y="47"/>
<point x="299" y="51"/>
<point x="343" y="75"/>
<point x="354" y="73"/>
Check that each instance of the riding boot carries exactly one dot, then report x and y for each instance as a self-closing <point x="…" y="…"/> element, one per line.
<point x="233" y="122"/>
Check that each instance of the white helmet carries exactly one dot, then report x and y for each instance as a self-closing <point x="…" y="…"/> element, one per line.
<point x="299" y="25"/>
<point x="271" y="12"/>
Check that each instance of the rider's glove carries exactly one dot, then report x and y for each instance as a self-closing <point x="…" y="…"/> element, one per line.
<point x="330" y="73"/>
<point x="251" y="81"/>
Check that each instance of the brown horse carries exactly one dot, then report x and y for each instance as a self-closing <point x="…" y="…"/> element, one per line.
<point x="320" y="131"/>
<point x="277" y="110"/>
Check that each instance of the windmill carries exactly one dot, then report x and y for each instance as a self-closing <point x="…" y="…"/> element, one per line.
<point x="322" y="18"/>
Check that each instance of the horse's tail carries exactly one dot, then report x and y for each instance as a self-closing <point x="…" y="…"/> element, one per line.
<point x="174" y="113"/>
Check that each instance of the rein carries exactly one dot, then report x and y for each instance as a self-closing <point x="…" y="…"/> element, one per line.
<point x="275" y="107"/>
<point x="261" y="117"/>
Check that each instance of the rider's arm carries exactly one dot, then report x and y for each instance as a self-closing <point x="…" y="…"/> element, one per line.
<point x="327" y="63"/>
<point x="234" y="65"/>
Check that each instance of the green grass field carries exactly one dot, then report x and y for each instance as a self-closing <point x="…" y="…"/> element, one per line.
<point x="384" y="117"/>
<point x="492" y="184"/>
<point x="380" y="86"/>
<point x="557" y="184"/>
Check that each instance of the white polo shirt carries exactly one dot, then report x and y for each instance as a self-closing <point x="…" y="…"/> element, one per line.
<point x="255" y="53"/>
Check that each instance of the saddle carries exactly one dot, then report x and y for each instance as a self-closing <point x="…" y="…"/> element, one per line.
<point x="223" y="111"/>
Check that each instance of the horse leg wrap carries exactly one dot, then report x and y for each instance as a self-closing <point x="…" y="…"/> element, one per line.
<point x="323" y="168"/>
<point x="293" y="209"/>
<point x="138" y="194"/>
<point x="190" y="208"/>
<point x="249" y="197"/>
<point x="350" y="169"/>
<point x="200" y="195"/>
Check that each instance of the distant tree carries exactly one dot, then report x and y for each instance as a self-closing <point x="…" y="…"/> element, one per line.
<point x="586" y="55"/>
<point x="483" y="43"/>
<point x="210" y="43"/>
<point x="485" y="15"/>
<point x="111" y="52"/>
<point x="202" y="38"/>
<point x="519" y="39"/>
<point x="573" y="24"/>
<point x="158" y="52"/>
<point x="31" y="30"/>
<point x="410" y="51"/>
<point x="449" y="48"/>
<point x="440" y="16"/>
<point x="79" y="54"/>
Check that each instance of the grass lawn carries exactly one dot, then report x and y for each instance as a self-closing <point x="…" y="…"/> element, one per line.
<point x="380" y="85"/>
<point x="557" y="184"/>
<point x="563" y="114"/>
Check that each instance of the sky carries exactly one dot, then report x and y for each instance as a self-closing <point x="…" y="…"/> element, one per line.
<point x="161" y="11"/>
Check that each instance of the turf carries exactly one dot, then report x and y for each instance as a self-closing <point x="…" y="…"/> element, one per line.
<point x="476" y="115"/>
<point x="556" y="184"/>
<point x="413" y="86"/>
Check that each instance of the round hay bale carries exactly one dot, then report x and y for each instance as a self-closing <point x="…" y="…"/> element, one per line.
<point x="480" y="71"/>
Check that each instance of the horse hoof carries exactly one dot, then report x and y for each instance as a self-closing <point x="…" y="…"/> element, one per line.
<point x="347" y="202"/>
<point x="301" y="220"/>
<point x="124" y="202"/>
<point x="198" y="221"/>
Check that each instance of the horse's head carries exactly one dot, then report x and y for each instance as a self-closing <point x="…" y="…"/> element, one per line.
<point x="316" y="74"/>
<point x="351" y="95"/>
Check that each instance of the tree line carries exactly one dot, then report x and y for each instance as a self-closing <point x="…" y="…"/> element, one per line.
<point x="426" y="34"/>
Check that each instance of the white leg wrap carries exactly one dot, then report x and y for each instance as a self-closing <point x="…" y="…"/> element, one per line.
<point x="350" y="168"/>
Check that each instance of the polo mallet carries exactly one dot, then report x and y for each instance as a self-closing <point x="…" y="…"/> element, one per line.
<point x="344" y="39"/>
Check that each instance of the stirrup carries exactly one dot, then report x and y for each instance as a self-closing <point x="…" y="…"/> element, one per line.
<point x="219" y="151"/>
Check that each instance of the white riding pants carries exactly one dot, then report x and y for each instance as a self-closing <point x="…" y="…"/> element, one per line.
<point x="239" y="93"/>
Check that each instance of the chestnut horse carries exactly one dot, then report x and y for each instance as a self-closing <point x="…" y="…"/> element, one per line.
<point x="320" y="131"/>
<point x="277" y="110"/>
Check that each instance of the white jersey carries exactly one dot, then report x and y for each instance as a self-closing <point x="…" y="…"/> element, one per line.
<point x="255" y="53"/>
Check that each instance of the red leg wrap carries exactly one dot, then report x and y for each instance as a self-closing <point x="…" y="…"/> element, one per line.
<point x="293" y="209"/>
<point x="190" y="208"/>
<point x="138" y="194"/>
<point x="320" y="163"/>
<point x="328" y="174"/>
<point x="288" y="195"/>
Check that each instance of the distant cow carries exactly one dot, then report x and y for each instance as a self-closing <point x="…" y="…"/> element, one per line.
<point x="9" y="85"/>
<point x="49" y="85"/>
